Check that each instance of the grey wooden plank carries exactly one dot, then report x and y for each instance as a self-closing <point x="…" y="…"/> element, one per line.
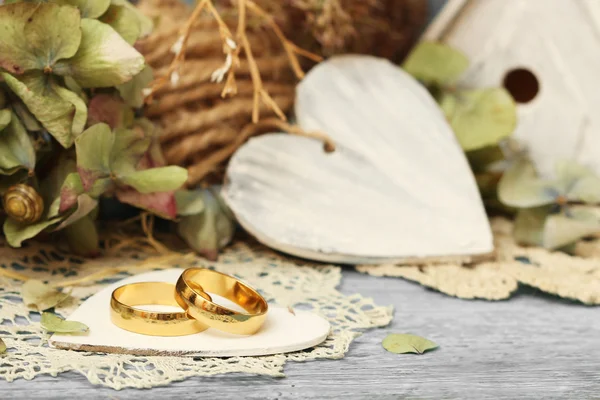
<point x="531" y="347"/>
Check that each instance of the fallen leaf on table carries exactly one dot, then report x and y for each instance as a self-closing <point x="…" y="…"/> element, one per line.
<point x="53" y="323"/>
<point x="401" y="343"/>
<point x="41" y="295"/>
<point x="2" y="347"/>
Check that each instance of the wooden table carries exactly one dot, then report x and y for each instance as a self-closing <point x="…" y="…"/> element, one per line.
<point x="530" y="347"/>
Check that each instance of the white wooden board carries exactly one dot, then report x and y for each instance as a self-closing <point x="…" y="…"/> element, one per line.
<point x="282" y="332"/>
<point x="398" y="188"/>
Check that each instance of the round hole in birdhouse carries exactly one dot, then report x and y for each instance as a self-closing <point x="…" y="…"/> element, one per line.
<point x="522" y="84"/>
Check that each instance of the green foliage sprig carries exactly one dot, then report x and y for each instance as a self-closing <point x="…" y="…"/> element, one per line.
<point x="553" y="213"/>
<point x="70" y="80"/>
<point x="479" y="117"/>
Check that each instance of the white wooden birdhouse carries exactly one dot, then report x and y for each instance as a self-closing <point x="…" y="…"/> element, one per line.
<point x="546" y="53"/>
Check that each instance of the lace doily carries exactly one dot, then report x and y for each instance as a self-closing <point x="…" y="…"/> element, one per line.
<point x="573" y="277"/>
<point x="283" y="281"/>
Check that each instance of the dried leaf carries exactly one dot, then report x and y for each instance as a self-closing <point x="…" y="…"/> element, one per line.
<point x="72" y="189"/>
<point x="2" y="347"/>
<point x="53" y="323"/>
<point x="48" y="103"/>
<point x="401" y="343"/>
<point x="26" y="117"/>
<point x="521" y="187"/>
<point x="82" y="237"/>
<point x="16" y="233"/>
<point x="85" y="205"/>
<point x="94" y="147"/>
<point x="211" y="230"/>
<point x="5" y="117"/>
<point x="132" y="91"/>
<point x="435" y="63"/>
<point x="16" y="148"/>
<point x="124" y="21"/>
<point x="104" y="59"/>
<point x="36" y="36"/>
<point x="162" y="204"/>
<point x="481" y="117"/>
<point x="109" y="109"/>
<point x="481" y="160"/>
<point x="152" y="180"/>
<point x="529" y="225"/>
<point x="563" y="229"/>
<point x="189" y="202"/>
<point x="88" y="8"/>
<point x="577" y="183"/>
<point x="80" y="117"/>
<point x="41" y="296"/>
<point x="129" y="148"/>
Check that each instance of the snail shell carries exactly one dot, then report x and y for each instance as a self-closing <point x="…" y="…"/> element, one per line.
<point x="23" y="204"/>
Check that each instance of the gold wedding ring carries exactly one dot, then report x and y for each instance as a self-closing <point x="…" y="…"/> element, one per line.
<point x="126" y="316"/>
<point x="190" y="290"/>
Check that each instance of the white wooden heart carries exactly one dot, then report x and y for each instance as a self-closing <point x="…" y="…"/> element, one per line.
<point x="398" y="187"/>
<point x="282" y="332"/>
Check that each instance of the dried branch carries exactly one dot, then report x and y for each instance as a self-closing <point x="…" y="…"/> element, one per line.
<point x="232" y="49"/>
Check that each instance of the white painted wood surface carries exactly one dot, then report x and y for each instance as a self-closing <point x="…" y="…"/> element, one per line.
<point x="557" y="40"/>
<point x="282" y="332"/>
<point x="531" y="347"/>
<point x="398" y="187"/>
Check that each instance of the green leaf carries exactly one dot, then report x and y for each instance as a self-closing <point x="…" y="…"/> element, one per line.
<point x="189" y="202"/>
<point x="26" y="117"/>
<point x="94" y="147"/>
<point x="562" y="229"/>
<point x="53" y="323"/>
<point x="109" y="109"/>
<point x="160" y="203"/>
<point x="88" y="8"/>
<point x="5" y="117"/>
<point x="481" y="117"/>
<point x="16" y="148"/>
<point x="129" y="148"/>
<point x="104" y="59"/>
<point x="81" y="112"/>
<point x="132" y="91"/>
<point x="164" y="179"/>
<point x="436" y="63"/>
<point x="2" y="347"/>
<point x="529" y="225"/>
<point x="72" y="189"/>
<point x="146" y="23"/>
<point x="481" y="160"/>
<point x="402" y="343"/>
<point x="51" y="185"/>
<point x="82" y="237"/>
<point x="520" y="187"/>
<point x="52" y="33"/>
<point x="212" y="229"/>
<point x="41" y="296"/>
<point x="39" y="93"/>
<point x="16" y="233"/>
<point x="124" y="21"/>
<point x="85" y="205"/>
<point x="577" y="183"/>
<point x="75" y="88"/>
<point x="36" y="36"/>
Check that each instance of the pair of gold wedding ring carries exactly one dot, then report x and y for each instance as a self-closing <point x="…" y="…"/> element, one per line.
<point x="199" y="311"/>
